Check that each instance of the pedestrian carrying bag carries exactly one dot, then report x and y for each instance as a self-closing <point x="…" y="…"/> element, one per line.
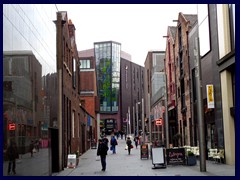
<point x="97" y="158"/>
<point x="111" y="148"/>
<point x="126" y="147"/>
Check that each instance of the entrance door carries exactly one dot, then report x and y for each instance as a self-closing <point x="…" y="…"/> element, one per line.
<point x="54" y="159"/>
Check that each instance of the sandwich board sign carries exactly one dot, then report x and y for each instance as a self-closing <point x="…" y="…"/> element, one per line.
<point x="158" y="157"/>
<point x="144" y="151"/>
<point x="72" y="161"/>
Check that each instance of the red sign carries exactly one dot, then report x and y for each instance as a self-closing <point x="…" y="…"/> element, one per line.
<point x="11" y="127"/>
<point x="158" y="122"/>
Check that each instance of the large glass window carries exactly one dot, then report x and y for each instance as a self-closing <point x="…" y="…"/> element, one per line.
<point x="108" y="75"/>
<point x="224" y="40"/>
<point x="204" y="31"/>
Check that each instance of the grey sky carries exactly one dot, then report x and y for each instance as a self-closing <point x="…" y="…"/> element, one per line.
<point x="138" y="27"/>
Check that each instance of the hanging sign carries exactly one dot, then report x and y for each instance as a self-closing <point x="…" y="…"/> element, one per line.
<point x="11" y="127"/>
<point x="158" y="122"/>
<point x="210" y="96"/>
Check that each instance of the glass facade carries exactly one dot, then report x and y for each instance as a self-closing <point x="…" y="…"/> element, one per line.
<point x="107" y="56"/>
<point x="29" y="53"/>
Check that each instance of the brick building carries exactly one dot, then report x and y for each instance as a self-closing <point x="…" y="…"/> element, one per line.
<point x="88" y="87"/>
<point x="73" y="120"/>
<point x="171" y="84"/>
<point x="184" y="25"/>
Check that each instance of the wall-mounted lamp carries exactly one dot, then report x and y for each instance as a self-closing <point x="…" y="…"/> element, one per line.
<point x="165" y="36"/>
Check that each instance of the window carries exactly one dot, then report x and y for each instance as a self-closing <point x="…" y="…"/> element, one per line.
<point x="74" y="73"/>
<point x="204" y="34"/>
<point x="126" y="72"/>
<point x="85" y="64"/>
<point x="73" y="113"/>
<point x="223" y="24"/>
<point x="180" y="38"/>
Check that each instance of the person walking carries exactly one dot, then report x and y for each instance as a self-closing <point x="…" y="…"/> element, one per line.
<point x="102" y="152"/>
<point x="136" y="141"/>
<point x="12" y="154"/>
<point x="121" y="133"/>
<point x="31" y="147"/>
<point x="113" y="144"/>
<point x="105" y="140"/>
<point x="129" y="144"/>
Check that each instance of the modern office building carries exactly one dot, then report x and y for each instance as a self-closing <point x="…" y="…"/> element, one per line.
<point x="108" y="57"/>
<point x="131" y="96"/>
<point x="154" y="93"/>
<point x="29" y="37"/>
<point x="227" y="69"/>
<point x="112" y="85"/>
<point x="217" y="50"/>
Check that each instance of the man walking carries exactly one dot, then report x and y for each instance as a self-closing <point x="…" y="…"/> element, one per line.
<point x="12" y="154"/>
<point x="102" y="152"/>
<point x="113" y="144"/>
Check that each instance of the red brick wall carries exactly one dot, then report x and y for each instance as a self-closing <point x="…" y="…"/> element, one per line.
<point x="181" y="117"/>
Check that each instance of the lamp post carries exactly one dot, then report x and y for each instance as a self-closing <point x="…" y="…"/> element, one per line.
<point x="198" y="75"/>
<point x="137" y="117"/>
<point x="134" y="128"/>
<point x="143" y="125"/>
<point x="166" y="101"/>
<point x="129" y="121"/>
<point x="149" y="120"/>
<point x="127" y="125"/>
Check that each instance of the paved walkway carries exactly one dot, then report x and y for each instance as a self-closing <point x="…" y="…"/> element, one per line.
<point x="38" y="165"/>
<point x="122" y="164"/>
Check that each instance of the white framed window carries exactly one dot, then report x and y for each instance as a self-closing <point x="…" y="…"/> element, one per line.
<point x="85" y="64"/>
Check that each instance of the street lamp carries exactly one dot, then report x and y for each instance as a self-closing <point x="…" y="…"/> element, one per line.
<point x="166" y="102"/>
<point x="137" y="116"/>
<point x="143" y="125"/>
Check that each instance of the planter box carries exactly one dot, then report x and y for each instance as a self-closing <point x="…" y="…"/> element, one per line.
<point x="191" y="160"/>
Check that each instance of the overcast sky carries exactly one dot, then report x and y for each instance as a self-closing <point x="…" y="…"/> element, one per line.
<point x="138" y="27"/>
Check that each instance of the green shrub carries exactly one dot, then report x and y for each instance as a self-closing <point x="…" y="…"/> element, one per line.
<point x="190" y="153"/>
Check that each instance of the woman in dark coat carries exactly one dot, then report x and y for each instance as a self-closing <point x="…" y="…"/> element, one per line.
<point x="102" y="152"/>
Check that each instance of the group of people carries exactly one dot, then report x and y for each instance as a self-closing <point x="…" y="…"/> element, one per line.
<point x="103" y="147"/>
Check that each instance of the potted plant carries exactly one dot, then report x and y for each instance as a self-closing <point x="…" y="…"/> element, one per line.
<point x="191" y="159"/>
